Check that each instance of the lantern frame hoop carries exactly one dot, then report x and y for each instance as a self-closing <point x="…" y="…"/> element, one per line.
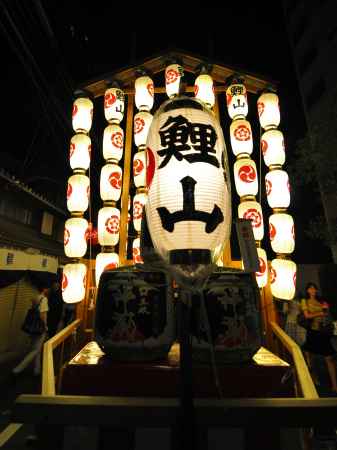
<point x="113" y="83"/>
<point x="142" y="72"/>
<point x="112" y="161"/>
<point x="247" y="197"/>
<point x="242" y="155"/>
<point x="280" y="210"/>
<point x="110" y="203"/>
<point x="275" y="167"/>
<point x="142" y="190"/>
<point x="203" y="69"/>
<point x="235" y="78"/>
<point x="79" y="171"/>
<point x="82" y="93"/>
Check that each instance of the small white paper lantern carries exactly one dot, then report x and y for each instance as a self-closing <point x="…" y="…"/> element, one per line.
<point x="80" y="151"/>
<point x="111" y="182"/>
<point x="105" y="261"/>
<point x="141" y="125"/>
<point x="139" y="201"/>
<point x="139" y="169"/>
<point x="114" y="100"/>
<point x="283" y="278"/>
<point x="204" y="90"/>
<point x="113" y="142"/>
<point x="75" y="237"/>
<point x="108" y="226"/>
<point x="236" y="98"/>
<point x="74" y="282"/>
<point x="173" y="74"/>
<point x="144" y="93"/>
<point x="78" y="192"/>
<point x="241" y="137"/>
<point x="245" y="177"/>
<point x="262" y="274"/>
<point x="82" y="115"/>
<point x="251" y="210"/>
<point x="189" y="201"/>
<point x="136" y="255"/>
<point x="281" y="233"/>
<point x="272" y="147"/>
<point x="277" y="189"/>
<point x="268" y="110"/>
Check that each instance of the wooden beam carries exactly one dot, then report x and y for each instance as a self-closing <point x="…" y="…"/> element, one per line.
<point x="126" y="181"/>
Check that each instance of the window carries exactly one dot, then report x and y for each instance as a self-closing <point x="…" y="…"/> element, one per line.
<point x="307" y="59"/>
<point x="12" y="210"/>
<point x="47" y="223"/>
<point x="315" y="93"/>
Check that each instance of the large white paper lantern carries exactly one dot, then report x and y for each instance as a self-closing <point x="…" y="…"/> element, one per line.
<point x="268" y="110"/>
<point x="141" y="124"/>
<point x="114" y="100"/>
<point x="78" y="192"/>
<point x="283" y="278"/>
<point x="139" y="201"/>
<point x="74" y="282"/>
<point x="173" y="74"/>
<point x="139" y="169"/>
<point x="204" y="90"/>
<point x="105" y="261"/>
<point x="80" y="151"/>
<point x="136" y="255"/>
<point x="108" y="226"/>
<point x="113" y="143"/>
<point x="272" y="147"/>
<point x="111" y="182"/>
<point x="189" y="200"/>
<point x="262" y="274"/>
<point x="281" y="233"/>
<point x="236" y="99"/>
<point x="144" y="93"/>
<point x="245" y="177"/>
<point x="82" y="115"/>
<point x="277" y="189"/>
<point x="251" y="210"/>
<point x="241" y="137"/>
<point x="75" y="237"/>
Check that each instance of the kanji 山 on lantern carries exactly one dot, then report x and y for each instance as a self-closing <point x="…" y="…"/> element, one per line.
<point x="236" y="99"/>
<point x="114" y="105"/>
<point x="189" y="203"/>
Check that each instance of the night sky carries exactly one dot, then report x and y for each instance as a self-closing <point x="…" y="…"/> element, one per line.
<point x="44" y="59"/>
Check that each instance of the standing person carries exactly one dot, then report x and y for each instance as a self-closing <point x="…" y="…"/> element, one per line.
<point x="316" y="342"/>
<point x="55" y="304"/>
<point x="297" y="333"/>
<point x="36" y="340"/>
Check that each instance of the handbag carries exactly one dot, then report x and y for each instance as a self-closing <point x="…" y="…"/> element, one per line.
<point x="302" y="321"/>
<point x="33" y="324"/>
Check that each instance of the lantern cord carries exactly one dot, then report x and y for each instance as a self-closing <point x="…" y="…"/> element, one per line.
<point x="211" y="346"/>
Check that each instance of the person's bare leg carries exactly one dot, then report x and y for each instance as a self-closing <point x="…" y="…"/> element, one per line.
<point x="332" y="371"/>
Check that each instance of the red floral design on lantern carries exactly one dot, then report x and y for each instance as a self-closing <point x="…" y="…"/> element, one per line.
<point x="294" y="279"/>
<point x="109" y="99"/>
<point x="264" y="146"/>
<point x="85" y="280"/>
<point x="110" y="266"/>
<point x="196" y="90"/>
<point x="137" y="259"/>
<point x="64" y="282"/>
<point x="253" y="215"/>
<point x="288" y="185"/>
<point x="71" y="149"/>
<point x="171" y="76"/>
<point x="112" y="225"/>
<point x="150" y="89"/>
<point x="228" y="99"/>
<point x="138" y="167"/>
<point x="242" y="133"/>
<point x="293" y="231"/>
<point x="150" y="166"/>
<point x="91" y="113"/>
<point x="89" y="150"/>
<point x="117" y="139"/>
<point x="272" y="231"/>
<point x="263" y="267"/>
<point x="260" y="108"/>
<point x="69" y="191"/>
<point x="137" y="210"/>
<point x="88" y="191"/>
<point x="66" y="236"/>
<point x="273" y="275"/>
<point x="115" y="179"/>
<point x="75" y="110"/>
<point x="139" y="125"/>
<point x="268" y="187"/>
<point x="247" y="174"/>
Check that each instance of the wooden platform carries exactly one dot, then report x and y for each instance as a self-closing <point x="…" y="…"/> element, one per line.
<point x="90" y="372"/>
